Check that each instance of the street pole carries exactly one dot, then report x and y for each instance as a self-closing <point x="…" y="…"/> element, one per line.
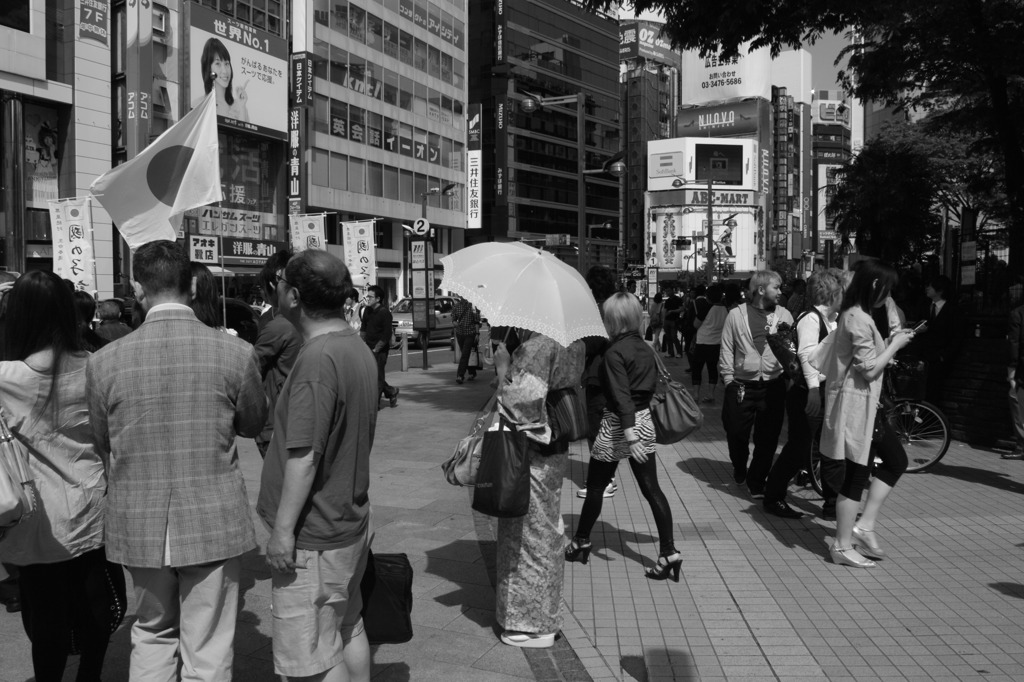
<point x="581" y="219"/>
<point x="429" y="276"/>
<point x="711" y="237"/>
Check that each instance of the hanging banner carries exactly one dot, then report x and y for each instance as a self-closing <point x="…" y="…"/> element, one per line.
<point x="306" y="231"/>
<point x="73" y="256"/>
<point x="360" y="252"/>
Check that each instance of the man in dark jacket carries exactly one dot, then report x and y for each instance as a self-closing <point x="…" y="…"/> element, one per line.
<point x="277" y="344"/>
<point x="940" y="341"/>
<point x="376" y="331"/>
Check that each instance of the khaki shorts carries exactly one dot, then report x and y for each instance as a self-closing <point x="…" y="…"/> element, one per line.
<point x="316" y="608"/>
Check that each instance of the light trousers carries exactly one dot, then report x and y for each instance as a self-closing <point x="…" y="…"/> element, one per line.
<point x="187" y="612"/>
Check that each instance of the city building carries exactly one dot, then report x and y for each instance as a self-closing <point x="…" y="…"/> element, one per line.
<point x="650" y="97"/>
<point x="387" y="137"/>
<point x="55" y="109"/>
<point x="527" y="55"/>
<point x="734" y="180"/>
<point x="831" y="149"/>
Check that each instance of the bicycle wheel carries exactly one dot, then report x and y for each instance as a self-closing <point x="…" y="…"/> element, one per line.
<point x="923" y="430"/>
<point x="814" y="465"/>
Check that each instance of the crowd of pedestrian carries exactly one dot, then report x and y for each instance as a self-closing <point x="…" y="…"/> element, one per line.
<point x="132" y="434"/>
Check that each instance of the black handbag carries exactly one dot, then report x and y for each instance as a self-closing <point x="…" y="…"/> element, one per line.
<point x="783" y="344"/>
<point x="386" y="589"/>
<point x="674" y="411"/>
<point x="503" y="479"/>
<point x="567" y="414"/>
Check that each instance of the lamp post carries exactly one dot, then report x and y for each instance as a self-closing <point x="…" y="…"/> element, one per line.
<point x="613" y="166"/>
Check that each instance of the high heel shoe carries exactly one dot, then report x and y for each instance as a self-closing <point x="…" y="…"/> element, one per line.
<point x="667" y="567"/>
<point x="842" y="556"/>
<point x="867" y="540"/>
<point x="578" y="551"/>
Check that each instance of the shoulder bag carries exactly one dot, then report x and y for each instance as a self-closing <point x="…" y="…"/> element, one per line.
<point x="461" y="468"/>
<point x="674" y="411"/>
<point x="567" y="414"/>
<point x="503" y="479"/>
<point x="18" y="497"/>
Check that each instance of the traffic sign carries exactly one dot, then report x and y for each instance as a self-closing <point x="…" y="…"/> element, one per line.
<point x="421" y="227"/>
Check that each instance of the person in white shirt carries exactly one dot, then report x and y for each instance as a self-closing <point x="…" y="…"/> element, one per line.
<point x="755" y="387"/>
<point x="708" y="343"/>
<point x="806" y="395"/>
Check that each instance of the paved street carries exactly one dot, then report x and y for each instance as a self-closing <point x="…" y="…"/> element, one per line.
<point x="758" y="597"/>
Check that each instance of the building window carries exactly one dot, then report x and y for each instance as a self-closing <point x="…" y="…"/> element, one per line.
<point x="14" y="14"/>
<point x="320" y="173"/>
<point x="356" y="175"/>
<point x="339" y="171"/>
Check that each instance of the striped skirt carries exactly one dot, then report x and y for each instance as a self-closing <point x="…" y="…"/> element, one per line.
<point x="611" y="446"/>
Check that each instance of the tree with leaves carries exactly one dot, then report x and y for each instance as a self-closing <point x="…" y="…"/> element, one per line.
<point x="965" y="57"/>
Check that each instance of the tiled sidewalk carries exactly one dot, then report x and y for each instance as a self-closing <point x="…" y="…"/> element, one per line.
<point x="758" y="596"/>
<point x="760" y="599"/>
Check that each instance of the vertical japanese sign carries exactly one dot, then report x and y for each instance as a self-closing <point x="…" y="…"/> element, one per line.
<point x="296" y="173"/>
<point x="92" y="20"/>
<point x="302" y="80"/>
<point x="306" y="231"/>
<point x="73" y="256"/>
<point x="360" y="252"/>
<point x="42" y="157"/>
<point x="474" y="168"/>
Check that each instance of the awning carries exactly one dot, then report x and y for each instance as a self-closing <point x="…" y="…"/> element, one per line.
<point x="218" y="271"/>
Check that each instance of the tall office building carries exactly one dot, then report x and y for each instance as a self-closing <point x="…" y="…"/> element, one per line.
<point x="650" y="97"/>
<point x="830" y="124"/>
<point x="387" y="136"/>
<point x="533" y="161"/>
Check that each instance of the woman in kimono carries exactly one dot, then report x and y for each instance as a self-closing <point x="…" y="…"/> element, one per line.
<point x="530" y="564"/>
<point x="854" y="371"/>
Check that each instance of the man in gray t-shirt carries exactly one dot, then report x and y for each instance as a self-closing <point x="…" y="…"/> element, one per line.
<point x="315" y="483"/>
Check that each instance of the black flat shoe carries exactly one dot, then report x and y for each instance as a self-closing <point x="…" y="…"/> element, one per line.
<point x="668" y="566"/>
<point x="393" y="400"/>
<point x="578" y="551"/>
<point x="781" y="509"/>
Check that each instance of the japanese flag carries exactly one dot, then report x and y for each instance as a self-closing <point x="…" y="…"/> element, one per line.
<point x="180" y="170"/>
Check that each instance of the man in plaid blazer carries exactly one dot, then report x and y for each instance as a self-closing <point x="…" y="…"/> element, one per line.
<point x="166" y="403"/>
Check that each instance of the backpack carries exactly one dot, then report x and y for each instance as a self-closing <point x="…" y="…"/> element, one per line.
<point x="784" y="344"/>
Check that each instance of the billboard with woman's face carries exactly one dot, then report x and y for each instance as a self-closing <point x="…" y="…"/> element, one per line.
<point x="246" y="67"/>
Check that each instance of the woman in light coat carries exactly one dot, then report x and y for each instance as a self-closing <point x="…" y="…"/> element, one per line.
<point x="854" y="369"/>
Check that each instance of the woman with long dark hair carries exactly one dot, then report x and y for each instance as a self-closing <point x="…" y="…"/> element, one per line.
<point x="854" y="373"/>
<point x="65" y="578"/>
<point x="206" y="302"/>
<point x="218" y="74"/>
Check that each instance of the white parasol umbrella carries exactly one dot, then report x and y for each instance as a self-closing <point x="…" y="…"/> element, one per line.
<point x="516" y="285"/>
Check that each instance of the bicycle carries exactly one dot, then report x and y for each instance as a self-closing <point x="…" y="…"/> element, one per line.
<point x="922" y="428"/>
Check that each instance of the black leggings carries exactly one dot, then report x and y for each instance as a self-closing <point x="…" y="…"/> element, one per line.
<point x="850" y="478"/>
<point x="601" y="473"/>
<point x="58" y="598"/>
<point x="705" y="354"/>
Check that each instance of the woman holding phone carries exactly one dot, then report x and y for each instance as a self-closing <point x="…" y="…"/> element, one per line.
<point x="854" y="371"/>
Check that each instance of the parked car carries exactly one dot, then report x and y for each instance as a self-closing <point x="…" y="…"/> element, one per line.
<point x="401" y="320"/>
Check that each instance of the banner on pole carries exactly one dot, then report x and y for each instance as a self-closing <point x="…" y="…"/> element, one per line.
<point x="306" y="231"/>
<point x="360" y="252"/>
<point x="73" y="255"/>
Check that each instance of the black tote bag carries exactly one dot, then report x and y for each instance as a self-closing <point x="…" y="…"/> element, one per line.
<point x="503" y="478"/>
